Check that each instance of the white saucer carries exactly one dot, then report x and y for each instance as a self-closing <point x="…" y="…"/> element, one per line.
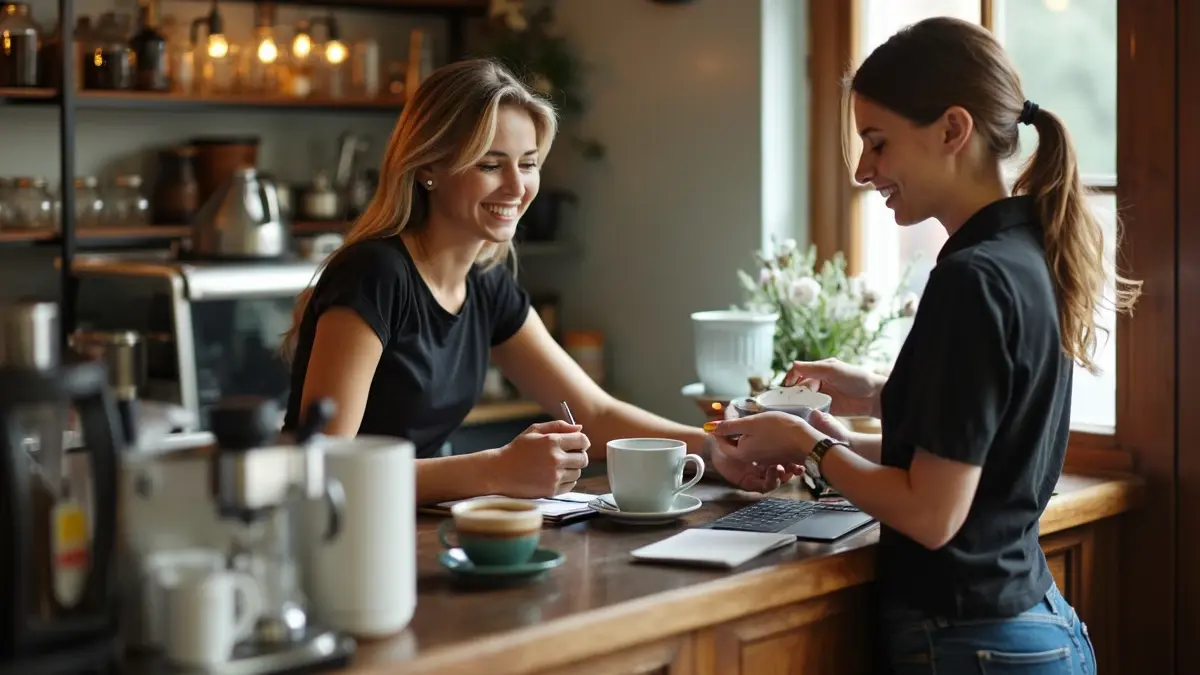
<point x="684" y="503"/>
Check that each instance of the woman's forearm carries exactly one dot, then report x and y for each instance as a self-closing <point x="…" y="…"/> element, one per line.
<point x="618" y="419"/>
<point x="867" y="446"/>
<point x="441" y="479"/>
<point x="886" y="493"/>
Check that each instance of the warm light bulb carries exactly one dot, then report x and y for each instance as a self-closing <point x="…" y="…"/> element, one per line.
<point x="267" y="50"/>
<point x="217" y="46"/>
<point x="335" y="52"/>
<point x="301" y="45"/>
<point x="1057" y="5"/>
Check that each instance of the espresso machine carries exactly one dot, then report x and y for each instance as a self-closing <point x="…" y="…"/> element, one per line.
<point x="60" y="449"/>
<point x="260" y="488"/>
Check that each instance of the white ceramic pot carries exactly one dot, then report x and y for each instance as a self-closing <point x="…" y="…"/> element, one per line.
<point x="731" y="347"/>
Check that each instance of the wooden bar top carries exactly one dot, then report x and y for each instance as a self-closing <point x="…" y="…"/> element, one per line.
<point x="600" y="602"/>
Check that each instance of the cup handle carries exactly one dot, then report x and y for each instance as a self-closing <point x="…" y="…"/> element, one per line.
<point x="251" y="605"/>
<point x="445" y="525"/>
<point x="699" y="472"/>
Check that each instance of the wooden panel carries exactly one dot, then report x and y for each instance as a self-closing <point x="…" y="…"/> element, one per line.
<point x="668" y="657"/>
<point x="824" y="636"/>
<point x="1146" y="367"/>
<point x="1188" y="404"/>
<point x="1069" y="555"/>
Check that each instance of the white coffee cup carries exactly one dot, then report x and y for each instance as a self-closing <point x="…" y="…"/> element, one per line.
<point x="208" y="613"/>
<point x="646" y="474"/>
<point x="363" y="580"/>
<point x="161" y="570"/>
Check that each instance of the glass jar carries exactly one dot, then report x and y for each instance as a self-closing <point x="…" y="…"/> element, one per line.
<point x="89" y="205"/>
<point x="19" y="48"/>
<point x="127" y="206"/>
<point x="6" y="210"/>
<point x="32" y="204"/>
<point x="108" y="63"/>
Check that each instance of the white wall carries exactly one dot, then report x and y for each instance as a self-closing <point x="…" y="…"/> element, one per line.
<point x="701" y="142"/>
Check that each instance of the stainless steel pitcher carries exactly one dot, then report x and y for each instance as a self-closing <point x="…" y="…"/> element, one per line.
<point x="242" y="220"/>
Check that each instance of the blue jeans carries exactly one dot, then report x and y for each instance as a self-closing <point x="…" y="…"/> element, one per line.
<point x="1047" y="639"/>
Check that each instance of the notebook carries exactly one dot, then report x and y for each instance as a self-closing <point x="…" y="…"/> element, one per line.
<point x="559" y="510"/>
<point x="712" y="548"/>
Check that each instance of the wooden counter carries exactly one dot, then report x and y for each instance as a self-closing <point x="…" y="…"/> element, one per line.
<point x="795" y="610"/>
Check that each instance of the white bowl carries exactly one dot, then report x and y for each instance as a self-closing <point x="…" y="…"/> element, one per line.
<point x="798" y="401"/>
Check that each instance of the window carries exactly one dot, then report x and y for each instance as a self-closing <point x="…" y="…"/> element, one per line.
<point x="1066" y="54"/>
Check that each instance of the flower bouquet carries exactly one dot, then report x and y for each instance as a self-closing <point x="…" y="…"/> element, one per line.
<point x="823" y="313"/>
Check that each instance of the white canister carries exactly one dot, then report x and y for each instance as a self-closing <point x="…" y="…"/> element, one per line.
<point x="363" y="580"/>
<point x="731" y="347"/>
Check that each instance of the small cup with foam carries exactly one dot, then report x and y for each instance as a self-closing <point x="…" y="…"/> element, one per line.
<point x="494" y="531"/>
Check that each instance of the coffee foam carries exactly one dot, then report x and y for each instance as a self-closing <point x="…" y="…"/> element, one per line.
<point x="497" y="516"/>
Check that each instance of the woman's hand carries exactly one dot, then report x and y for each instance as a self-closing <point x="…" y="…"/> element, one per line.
<point x="855" y="390"/>
<point x="543" y="461"/>
<point x="770" y="438"/>
<point x="748" y="475"/>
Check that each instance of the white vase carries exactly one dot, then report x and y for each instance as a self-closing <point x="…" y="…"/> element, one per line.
<point x="731" y="347"/>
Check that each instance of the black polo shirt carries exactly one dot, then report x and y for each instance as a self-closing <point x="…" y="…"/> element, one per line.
<point x="982" y="379"/>
<point x="434" y="362"/>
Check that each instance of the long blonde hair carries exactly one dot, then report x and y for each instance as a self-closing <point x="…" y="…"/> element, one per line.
<point x="936" y="63"/>
<point x="451" y="116"/>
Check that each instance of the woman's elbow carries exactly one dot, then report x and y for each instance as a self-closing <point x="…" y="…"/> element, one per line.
<point x="936" y="532"/>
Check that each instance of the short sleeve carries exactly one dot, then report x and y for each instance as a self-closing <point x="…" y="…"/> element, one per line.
<point x="960" y="369"/>
<point x="508" y="303"/>
<point x="370" y="278"/>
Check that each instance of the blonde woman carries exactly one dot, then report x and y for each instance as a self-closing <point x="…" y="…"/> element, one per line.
<point x="976" y="411"/>
<point x="408" y="314"/>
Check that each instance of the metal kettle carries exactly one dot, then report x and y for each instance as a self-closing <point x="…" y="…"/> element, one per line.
<point x="242" y="220"/>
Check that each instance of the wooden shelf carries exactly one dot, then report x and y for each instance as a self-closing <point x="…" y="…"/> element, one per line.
<point x="139" y="100"/>
<point x="502" y="411"/>
<point x="27" y="94"/>
<point x="20" y="237"/>
<point x="410" y="6"/>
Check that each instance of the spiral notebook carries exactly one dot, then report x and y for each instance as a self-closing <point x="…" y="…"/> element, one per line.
<point x="712" y="548"/>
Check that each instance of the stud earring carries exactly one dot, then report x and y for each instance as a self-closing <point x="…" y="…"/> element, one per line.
<point x="429" y="184"/>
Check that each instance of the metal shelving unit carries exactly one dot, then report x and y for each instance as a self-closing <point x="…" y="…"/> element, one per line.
<point x="69" y="101"/>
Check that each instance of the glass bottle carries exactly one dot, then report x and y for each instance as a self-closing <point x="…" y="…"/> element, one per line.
<point x="89" y="206"/>
<point x="149" y="53"/>
<point x="127" y="206"/>
<point x="19" y="48"/>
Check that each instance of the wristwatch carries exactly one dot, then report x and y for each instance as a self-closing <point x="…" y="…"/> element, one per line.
<point x="812" y="464"/>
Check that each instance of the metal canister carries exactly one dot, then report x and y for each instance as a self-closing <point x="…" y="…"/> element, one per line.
<point x="29" y="335"/>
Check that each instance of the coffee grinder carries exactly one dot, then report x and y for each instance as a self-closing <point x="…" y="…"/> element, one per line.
<point x="262" y="487"/>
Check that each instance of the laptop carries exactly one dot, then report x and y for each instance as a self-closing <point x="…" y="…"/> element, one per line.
<point x="813" y="521"/>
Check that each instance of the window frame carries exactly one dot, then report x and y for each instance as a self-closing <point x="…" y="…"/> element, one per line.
<point x="834" y="29"/>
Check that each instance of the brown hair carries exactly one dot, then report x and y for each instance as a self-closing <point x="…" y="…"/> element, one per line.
<point x="451" y="116"/>
<point x="929" y="66"/>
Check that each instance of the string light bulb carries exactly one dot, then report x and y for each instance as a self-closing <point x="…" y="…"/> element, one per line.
<point x="302" y="42"/>
<point x="217" y="45"/>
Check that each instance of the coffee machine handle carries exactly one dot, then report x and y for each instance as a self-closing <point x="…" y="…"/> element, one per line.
<point x="103" y="437"/>
<point x="270" y="200"/>
<point x="335" y="497"/>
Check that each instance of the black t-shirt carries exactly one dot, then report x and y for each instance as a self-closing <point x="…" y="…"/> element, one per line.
<point x="433" y="364"/>
<point x="982" y="379"/>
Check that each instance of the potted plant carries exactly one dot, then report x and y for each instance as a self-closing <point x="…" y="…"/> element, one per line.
<point x="823" y="312"/>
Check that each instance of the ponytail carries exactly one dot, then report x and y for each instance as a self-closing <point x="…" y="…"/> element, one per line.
<point x="1073" y="239"/>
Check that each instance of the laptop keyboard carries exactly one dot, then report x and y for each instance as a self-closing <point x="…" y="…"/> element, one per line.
<point x="772" y="514"/>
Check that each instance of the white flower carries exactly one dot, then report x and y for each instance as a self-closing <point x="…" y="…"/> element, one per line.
<point x="909" y="306"/>
<point x="788" y="246"/>
<point x="870" y="299"/>
<point x="805" y="292"/>
<point x="765" y="276"/>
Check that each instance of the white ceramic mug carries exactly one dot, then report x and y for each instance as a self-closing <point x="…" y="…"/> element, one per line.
<point x="208" y="613"/>
<point x="646" y="474"/>
<point x="159" y="571"/>
<point x="363" y="580"/>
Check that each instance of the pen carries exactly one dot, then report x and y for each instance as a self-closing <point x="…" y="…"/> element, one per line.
<point x="567" y="413"/>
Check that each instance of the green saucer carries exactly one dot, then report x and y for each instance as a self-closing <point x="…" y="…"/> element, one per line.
<point x="543" y="560"/>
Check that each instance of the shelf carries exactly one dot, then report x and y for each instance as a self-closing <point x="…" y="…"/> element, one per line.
<point x="26" y="238"/>
<point x="23" y="95"/>
<point x="409" y="6"/>
<point x="138" y="100"/>
<point x="502" y="411"/>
